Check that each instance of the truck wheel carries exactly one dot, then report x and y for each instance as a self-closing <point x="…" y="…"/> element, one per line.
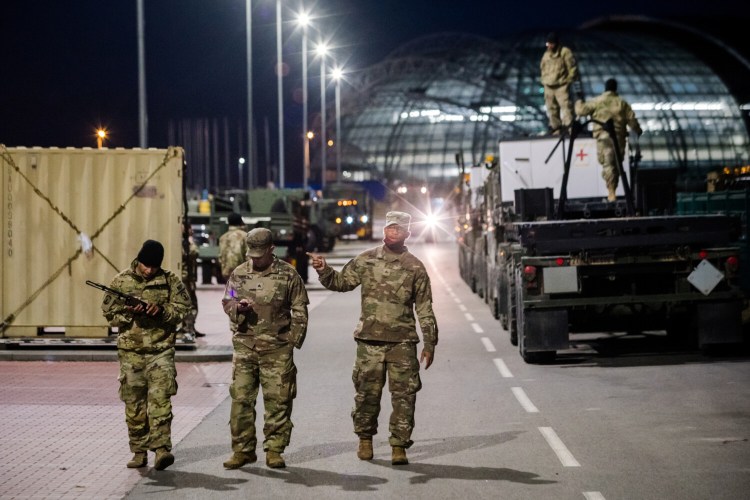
<point x="511" y="319"/>
<point x="206" y="273"/>
<point x="219" y="277"/>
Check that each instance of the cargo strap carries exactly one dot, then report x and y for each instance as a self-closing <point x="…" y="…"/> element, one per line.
<point x="171" y="153"/>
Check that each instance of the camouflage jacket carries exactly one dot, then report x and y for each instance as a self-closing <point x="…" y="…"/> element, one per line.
<point x="189" y="262"/>
<point x="558" y="67"/>
<point x="138" y="332"/>
<point x="393" y="286"/>
<point x="606" y="106"/>
<point x="279" y="298"/>
<point x="232" y="249"/>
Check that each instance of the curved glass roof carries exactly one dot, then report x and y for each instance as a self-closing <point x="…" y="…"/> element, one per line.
<point x="408" y="116"/>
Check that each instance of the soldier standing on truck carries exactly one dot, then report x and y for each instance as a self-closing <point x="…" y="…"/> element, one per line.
<point x="559" y="70"/>
<point x="232" y="246"/>
<point x="145" y="348"/>
<point x="610" y="106"/>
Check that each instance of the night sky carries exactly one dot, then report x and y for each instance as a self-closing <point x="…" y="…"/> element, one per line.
<point x="70" y="66"/>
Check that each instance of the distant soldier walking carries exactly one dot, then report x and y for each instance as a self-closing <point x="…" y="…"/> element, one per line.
<point x="266" y="302"/>
<point x="232" y="247"/>
<point x="608" y="106"/>
<point x="189" y="275"/>
<point x="394" y="283"/>
<point x="145" y="348"/>
<point x="559" y="70"/>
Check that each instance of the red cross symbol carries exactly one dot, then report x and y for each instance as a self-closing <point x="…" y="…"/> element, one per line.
<point x="581" y="155"/>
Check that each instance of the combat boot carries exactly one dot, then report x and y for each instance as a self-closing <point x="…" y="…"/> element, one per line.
<point x="365" y="449"/>
<point x="612" y="196"/>
<point x="238" y="459"/>
<point x="140" y="459"/>
<point x="274" y="460"/>
<point x="163" y="459"/>
<point x="398" y="455"/>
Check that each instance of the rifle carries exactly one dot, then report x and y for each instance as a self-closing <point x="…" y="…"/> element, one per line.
<point x="128" y="299"/>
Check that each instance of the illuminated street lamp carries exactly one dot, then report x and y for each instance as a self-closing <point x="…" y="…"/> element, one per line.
<point x="101" y="134"/>
<point x="322" y="50"/>
<point x="239" y="168"/>
<point x="306" y="169"/>
<point x="337" y="74"/>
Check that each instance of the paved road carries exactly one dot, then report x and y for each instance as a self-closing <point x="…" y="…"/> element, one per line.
<point x="610" y="420"/>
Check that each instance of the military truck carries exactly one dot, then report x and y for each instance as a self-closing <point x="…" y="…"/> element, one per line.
<point x="560" y="259"/>
<point x="354" y="209"/>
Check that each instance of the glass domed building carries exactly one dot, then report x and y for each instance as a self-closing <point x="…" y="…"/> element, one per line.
<point x="407" y="117"/>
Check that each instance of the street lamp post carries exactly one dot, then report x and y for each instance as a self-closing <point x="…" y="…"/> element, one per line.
<point x="239" y="168"/>
<point x="101" y="134"/>
<point x="280" y="91"/>
<point x="337" y="74"/>
<point x="304" y="20"/>
<point x="249" y="43"/>
<point x="322" y="50"/>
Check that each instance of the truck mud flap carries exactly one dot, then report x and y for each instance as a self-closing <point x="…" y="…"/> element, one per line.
<point x="719" y="323"/>
<point x="545" y="330"/>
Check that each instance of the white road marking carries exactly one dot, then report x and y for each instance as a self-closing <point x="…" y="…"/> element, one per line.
<point x="593" y="495"/>
<point x="524" y="400"/>
<point x="502" y="368"/>
<point x="488" y="344"/>
<point x="462" y="307"/>
<point x="458" y="301"/>
<point x="565" y="456"/>
<point x="477" y="328"/>
<point x="469" y="317"/>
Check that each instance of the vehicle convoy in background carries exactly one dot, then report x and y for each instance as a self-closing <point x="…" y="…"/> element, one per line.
<point x="354" y="208"/>
<point x="552" y="257"/>
<point x="299" y="224"/>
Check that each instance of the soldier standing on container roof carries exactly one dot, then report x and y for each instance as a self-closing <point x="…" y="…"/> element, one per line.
<point x="608" y="106"/>
<point x="394" y="284"/>
<point x="232" y="247"/>
<point x="559" y="70"/>
<point x="145" y="348"/>
<point x="266" y="302"/>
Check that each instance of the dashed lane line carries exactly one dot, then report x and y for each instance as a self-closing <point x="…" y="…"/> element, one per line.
<point x="488" y="344"/>
<point x="502" y="368"/>
<point x="469" y="317"/>
<point x="562" y="452"/>
<point x="524" y="400"/>
<point x="462" y="307"/>
<point x="477" y="328"/>
<point x="593" y="495"/>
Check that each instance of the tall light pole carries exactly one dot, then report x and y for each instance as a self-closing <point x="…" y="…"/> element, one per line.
<point x="322" y="50"/>
<point x="280" y="91"/>
<point x="249" y="42"/>
<point x="101" y="134"/>
<point x="304" y="20"/>
<point x="142" y="120"/>
<point x="337" y="74"/>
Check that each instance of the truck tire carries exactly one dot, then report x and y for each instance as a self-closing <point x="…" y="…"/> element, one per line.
<point x="207" y="269"/>
<point x="511" y="319"/>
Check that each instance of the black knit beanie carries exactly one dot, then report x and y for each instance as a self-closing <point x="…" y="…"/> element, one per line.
<point x="151" y="254"/>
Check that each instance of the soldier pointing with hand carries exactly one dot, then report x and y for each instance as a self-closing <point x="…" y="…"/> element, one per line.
<point x="394" y="285"/>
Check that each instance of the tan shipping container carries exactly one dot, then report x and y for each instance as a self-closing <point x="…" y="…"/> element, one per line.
<point x="71" y="215"/>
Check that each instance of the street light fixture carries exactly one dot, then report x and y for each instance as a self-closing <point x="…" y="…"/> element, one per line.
<point x="101" y="134"/>
<point x="322" y="50"/>
<point x="239" y="168"/>
<point x="337" y="74"/>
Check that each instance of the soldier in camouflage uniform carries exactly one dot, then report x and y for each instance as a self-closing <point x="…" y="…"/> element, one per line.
<point x="266" y="302"/>
<point x="394" y="284"/>
<point x="145" y="348"/>
<point x="559" y="70"/>
<point x="232" y="247"/>
<point x="189" y="274"/>
<point x="608" y="106"/>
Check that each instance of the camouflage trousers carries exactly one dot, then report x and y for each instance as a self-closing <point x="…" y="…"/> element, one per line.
<point x="274" y="371"/>
<point x="556" y="99"/>
<point x="188" y="322"/>
<point x="147" y="384"/>
<point x="399" y="361"/>
<point x="605" y="153"/>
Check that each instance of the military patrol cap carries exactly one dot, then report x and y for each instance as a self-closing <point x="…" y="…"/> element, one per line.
<point x="151" y="253"/>
<point x="553" y="37"/>
<point x="400" y="218"/>
<point x="258" y="241"/>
